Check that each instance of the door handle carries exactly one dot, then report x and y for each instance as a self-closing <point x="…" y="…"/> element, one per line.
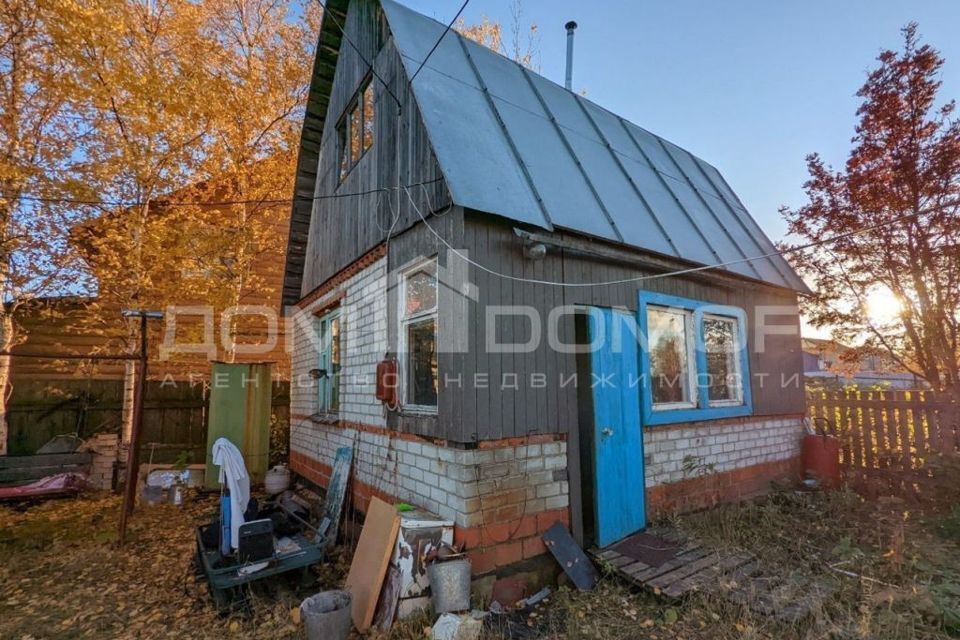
<point x="606" y="432"/>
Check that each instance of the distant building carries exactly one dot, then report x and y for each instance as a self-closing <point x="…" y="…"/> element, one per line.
<point x="824" y="360"/>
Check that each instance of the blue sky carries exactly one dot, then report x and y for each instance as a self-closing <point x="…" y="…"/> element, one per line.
<point x="751" y="86"/>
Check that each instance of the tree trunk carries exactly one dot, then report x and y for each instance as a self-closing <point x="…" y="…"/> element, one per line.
<point x="126" y="416"/>
<point x="6" y="342"/>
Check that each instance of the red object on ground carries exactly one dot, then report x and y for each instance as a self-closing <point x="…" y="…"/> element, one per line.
<point x="49" y="486"/>
<point x="821" y="459"/>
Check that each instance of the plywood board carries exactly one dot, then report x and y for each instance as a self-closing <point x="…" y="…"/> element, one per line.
<point x="370" y="561"/>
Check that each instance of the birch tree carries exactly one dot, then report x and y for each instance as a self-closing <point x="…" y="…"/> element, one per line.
<point x="37" y="127"/>
<point x="147" y="103"/>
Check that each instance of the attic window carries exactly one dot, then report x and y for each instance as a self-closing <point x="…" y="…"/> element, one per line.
<point x="355" y="130"/>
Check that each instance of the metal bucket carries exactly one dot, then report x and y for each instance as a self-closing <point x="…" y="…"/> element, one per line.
<point x="326" y="615"/>
<point x="450" y="585"/>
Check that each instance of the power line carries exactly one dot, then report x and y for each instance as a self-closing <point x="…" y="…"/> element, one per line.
<point x="439" y="40"/>
<point x="369" y="64"/>
<point x="668" y="274"/>
<point x="204" y="203"/>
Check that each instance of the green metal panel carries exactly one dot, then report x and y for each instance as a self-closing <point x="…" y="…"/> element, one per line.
<point x="240" y="397"/>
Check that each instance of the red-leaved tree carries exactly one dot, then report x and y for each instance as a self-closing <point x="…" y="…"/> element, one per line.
<point x="901" y="185"/>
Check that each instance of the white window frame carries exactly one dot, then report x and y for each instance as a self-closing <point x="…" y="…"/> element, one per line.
<point x="324" y="348"/>
<point x="690" y="335"/>
<point x="405" y="321"/>
<point x="738" y="366"/>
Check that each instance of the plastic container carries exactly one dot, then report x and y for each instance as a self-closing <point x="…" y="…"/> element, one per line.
<point x="449" y="585"/>
<point x="821" y="459"/>
<point x="326" y="616"/>
<point x="152" y="495"/>
<point x="277" y="480"/>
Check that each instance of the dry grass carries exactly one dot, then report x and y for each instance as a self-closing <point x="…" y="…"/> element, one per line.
<point x="62" y="576"/>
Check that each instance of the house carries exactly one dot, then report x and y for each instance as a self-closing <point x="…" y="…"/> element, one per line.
<point x="831" y="362"/>
<point x="503" y="244"/>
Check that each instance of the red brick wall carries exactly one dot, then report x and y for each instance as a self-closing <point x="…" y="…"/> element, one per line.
<point x="712" y="489"/>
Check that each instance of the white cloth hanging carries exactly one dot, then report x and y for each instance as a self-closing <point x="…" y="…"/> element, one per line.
<point x="234" y="472"/>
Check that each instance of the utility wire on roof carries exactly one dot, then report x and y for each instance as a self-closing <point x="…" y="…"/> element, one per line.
<point x="203" y="203"/>
<point x="439" y="40"/>
<point x="668" y="274"/>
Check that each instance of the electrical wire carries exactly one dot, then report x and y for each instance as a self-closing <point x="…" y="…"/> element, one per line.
<point x="668" y="274"/>
<point x="439" y="40"/>
<point x="369" y="64"/>
<point x="184" y="203"/>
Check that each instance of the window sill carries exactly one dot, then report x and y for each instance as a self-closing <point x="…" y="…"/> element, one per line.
<point x="325" y="417"/>
<point x="655" y="418"/>
<point x="418" y="411"/>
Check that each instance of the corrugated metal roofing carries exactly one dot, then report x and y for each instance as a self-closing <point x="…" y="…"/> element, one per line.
<point x="512" y="143"/>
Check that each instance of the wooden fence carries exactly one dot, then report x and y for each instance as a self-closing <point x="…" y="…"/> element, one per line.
<point x="174" y="416"/>
<point x="883" y="429"/>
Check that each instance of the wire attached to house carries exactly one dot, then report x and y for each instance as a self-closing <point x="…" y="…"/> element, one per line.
<point x="439" y="40"/>
<point x="369" y="64"/>
<point x="668" y="274"/>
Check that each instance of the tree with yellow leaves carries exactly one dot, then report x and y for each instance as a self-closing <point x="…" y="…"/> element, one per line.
<point x="38" y="128"/>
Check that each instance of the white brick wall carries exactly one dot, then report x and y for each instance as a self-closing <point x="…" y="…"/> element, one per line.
<point x="471" y="487"/>
<point x="363" y="343"/>
<point x="726" y="446"/>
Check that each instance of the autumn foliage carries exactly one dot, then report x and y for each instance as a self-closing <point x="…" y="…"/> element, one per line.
<point x="900" y="193"/>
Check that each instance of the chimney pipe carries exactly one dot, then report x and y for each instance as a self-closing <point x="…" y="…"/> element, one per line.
<point x="571" y="27"/>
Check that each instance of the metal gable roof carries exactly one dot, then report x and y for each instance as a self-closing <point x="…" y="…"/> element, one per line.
<point x="512" y="143"/>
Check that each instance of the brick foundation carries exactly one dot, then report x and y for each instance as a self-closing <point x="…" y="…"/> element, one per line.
<point x="501" y="497"/>
<point x="729" y="486"/>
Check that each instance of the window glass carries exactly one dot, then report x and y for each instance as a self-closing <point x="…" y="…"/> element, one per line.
<point x="670" y="357"/>
<point x="720" y="338"/>
<point x="420" y="292"/>
<point x="343" y="149"/>
<point x="356" y="131"/>
<point x="368" y="116"/>
<point x="422" y="363"/>
<point x="329" y="362"/>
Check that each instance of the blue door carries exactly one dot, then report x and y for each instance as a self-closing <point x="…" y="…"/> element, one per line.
<point x="617" y="438"/>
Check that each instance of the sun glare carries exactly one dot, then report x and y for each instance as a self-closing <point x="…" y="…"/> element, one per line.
<point x="882" y="306"/>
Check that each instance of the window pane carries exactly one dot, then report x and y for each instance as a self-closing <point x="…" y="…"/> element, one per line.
<point x="422" y="363"/>
<point x="421" y="289"/>
<point x="368" y="117"/>
<point x="670" y="364"/>
<point x="723" y="361"/>
<point x="334" y="363"/>
<point x="343" y="149"/>
<point x="329" y="361"/>
<point x="356" y="131"/>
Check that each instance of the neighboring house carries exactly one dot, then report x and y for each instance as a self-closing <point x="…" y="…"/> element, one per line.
<point x="824" y="360"/>
<point x="532" y="184"/>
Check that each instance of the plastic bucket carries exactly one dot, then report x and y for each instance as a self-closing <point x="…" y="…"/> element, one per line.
<point x="449" y="585"/>
<point x="326" y="615"/>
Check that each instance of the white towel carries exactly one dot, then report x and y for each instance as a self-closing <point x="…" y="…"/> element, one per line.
<point x="234" y="472"/>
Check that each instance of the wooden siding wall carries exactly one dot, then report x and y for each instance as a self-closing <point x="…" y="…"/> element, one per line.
<point x="345" y="228"/>
<point x="409" y="247"/>
<point x="468" y="413"/>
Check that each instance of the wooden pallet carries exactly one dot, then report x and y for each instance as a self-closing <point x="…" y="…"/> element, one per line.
<point x="732" y="575"/>
<point x="693" y="568"/>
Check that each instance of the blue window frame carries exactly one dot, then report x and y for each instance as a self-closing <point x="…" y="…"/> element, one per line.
<point x="694" y="361"/>
<point x="329" y="362"/>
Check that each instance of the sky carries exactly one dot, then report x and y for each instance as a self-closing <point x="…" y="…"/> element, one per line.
<point x="751" y="86"/>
